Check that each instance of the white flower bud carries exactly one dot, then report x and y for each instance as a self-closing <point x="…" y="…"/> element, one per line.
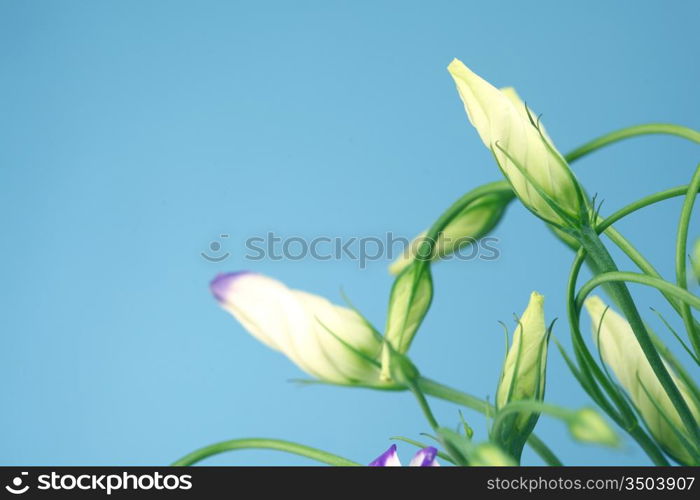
<point x="408" y="304"/>
<point x="522" y="378"/>
<point x="526" y="155"/>
<point x="620" y="350"/>
<point x="523" y="375"/>
<point x="332" y="343"/>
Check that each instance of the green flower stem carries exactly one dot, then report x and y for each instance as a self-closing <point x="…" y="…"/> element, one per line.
<point x="681" y="257"/>
<point x="441" y="391"/>
<point x="266" y="444"/>
<point x="618" y="277"/>
<point x="666" y="194"/>
<point x="424" y="406"/>
<point x="599" y="254"/>
<point x="629" y="132"/>
<point x="446" y="393"/>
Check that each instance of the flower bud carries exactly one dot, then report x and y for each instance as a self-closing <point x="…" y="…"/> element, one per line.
<point x="409" y="301"/>
<point x="620" y="350"/>
<point x="330" y="342"/>
<point x="490" y="455"/>
<point x="539" y="174"/>
<point x="586" y="425"/>
<point x="475" y="221"/>
<point x="524" y="369"/>
<point x="523" y="376"/>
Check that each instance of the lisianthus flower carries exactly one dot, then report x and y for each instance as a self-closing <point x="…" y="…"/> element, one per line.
<point x="523" y="376"/>
<point x="621" y="351"/>
<point x="539" y="174"/>
<point x="330" y="342"/>
<point x="423" y="458"/>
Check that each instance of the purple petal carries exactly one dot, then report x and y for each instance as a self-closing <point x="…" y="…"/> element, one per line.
<point x="387" y="459"/>
<point x="220" y="285"/>
<point x="425" y="458"/>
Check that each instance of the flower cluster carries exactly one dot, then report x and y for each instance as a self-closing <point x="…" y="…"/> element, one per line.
<point x="634" y="378"/>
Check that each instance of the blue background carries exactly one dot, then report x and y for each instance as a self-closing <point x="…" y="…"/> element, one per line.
<point x="135" y="133"/>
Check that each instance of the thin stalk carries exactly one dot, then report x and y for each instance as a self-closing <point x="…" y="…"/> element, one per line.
<point x="620" y="277"/>
<point x="681" y="257"/>
<point x="635" y="131"/>
<point x="263" y="444"/>
<point x="651" y="199"/>
<point x="424" y="406"/>
<point x="440" y="391"/>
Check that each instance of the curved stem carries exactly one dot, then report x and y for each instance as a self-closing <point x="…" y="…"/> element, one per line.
<point x="599" y="254"/>
<point x="634" y="131"/>
<point x="618" y="277"/>
<point x="681" y="253"/>
<point x="446" y="393"/>
<point x="639" y="204"/>
<point x="267" y="444"/>
<point x="441" y="391"/>
<point x="424" y="406"/>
